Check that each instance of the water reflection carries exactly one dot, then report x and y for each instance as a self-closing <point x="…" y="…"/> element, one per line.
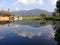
<point x="57" y="31"/>
<point x="4" y="22"/>
<point x="32" y="32"/>
<point x="2" y="37"/>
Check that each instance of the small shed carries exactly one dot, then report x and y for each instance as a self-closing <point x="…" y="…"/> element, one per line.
<point x="5" y="16"/>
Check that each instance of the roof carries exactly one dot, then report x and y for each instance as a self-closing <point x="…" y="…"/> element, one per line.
<point x="4" y="13"/>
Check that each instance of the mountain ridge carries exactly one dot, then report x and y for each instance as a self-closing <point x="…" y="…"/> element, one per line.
<point x="32" y="12"/>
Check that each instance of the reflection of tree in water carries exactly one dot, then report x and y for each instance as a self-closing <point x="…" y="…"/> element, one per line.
<point x="57" y="33"/>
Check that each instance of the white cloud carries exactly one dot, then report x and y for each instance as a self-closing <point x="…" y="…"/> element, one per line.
<point x="16" y="9"/>
<point x="27" y="2"/>
<point x="23" y="1"/>
<point x="40" y="1"/>
<point x="1" y="6"/>
<point x="53" y="2"/>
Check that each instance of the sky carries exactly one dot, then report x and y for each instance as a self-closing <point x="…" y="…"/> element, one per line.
<point x="16" y="5"/>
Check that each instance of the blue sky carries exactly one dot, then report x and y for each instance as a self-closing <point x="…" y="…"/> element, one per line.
<point x="48" y="5"/>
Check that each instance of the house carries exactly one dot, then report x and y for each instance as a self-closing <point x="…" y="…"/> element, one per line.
<point x="4" y="16"/>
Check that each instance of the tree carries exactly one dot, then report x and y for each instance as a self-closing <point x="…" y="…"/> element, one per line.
<point x="58" y="6"/>
<point x="43" y="15"/>
<point x="54" y="14"/>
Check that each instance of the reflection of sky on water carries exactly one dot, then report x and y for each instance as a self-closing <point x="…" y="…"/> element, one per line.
<point x="28" y="31"/>
<point x="14" y="33"/>
<point x="2" y="37"/>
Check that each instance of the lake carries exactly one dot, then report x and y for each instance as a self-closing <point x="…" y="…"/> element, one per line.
<point x="30" y="32"/>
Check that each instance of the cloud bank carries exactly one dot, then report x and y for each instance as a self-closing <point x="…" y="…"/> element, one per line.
<point x="27" y="2"/>
<point x="53" y="2"/>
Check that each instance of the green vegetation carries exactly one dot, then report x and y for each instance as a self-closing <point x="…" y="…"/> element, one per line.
<point x="58" y="6"/>
<point x="56" y="13"/>
<point x="41" y="17"/>
<point x="30" y="17"/>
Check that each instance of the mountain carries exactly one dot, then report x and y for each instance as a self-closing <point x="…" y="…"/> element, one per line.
<point x="33" y="12"/>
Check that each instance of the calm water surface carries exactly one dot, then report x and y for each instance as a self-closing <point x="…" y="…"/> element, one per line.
<point x="30" y="33"/>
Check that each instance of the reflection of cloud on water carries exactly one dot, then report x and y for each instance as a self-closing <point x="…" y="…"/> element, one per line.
<point x="28" y="34"/>
<point x="50" y="35"/>
<point x="28" y="31"/>
<point x="39" y="33"/>
<point x="23" y="34"/>
<point x="2" y="37"/>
